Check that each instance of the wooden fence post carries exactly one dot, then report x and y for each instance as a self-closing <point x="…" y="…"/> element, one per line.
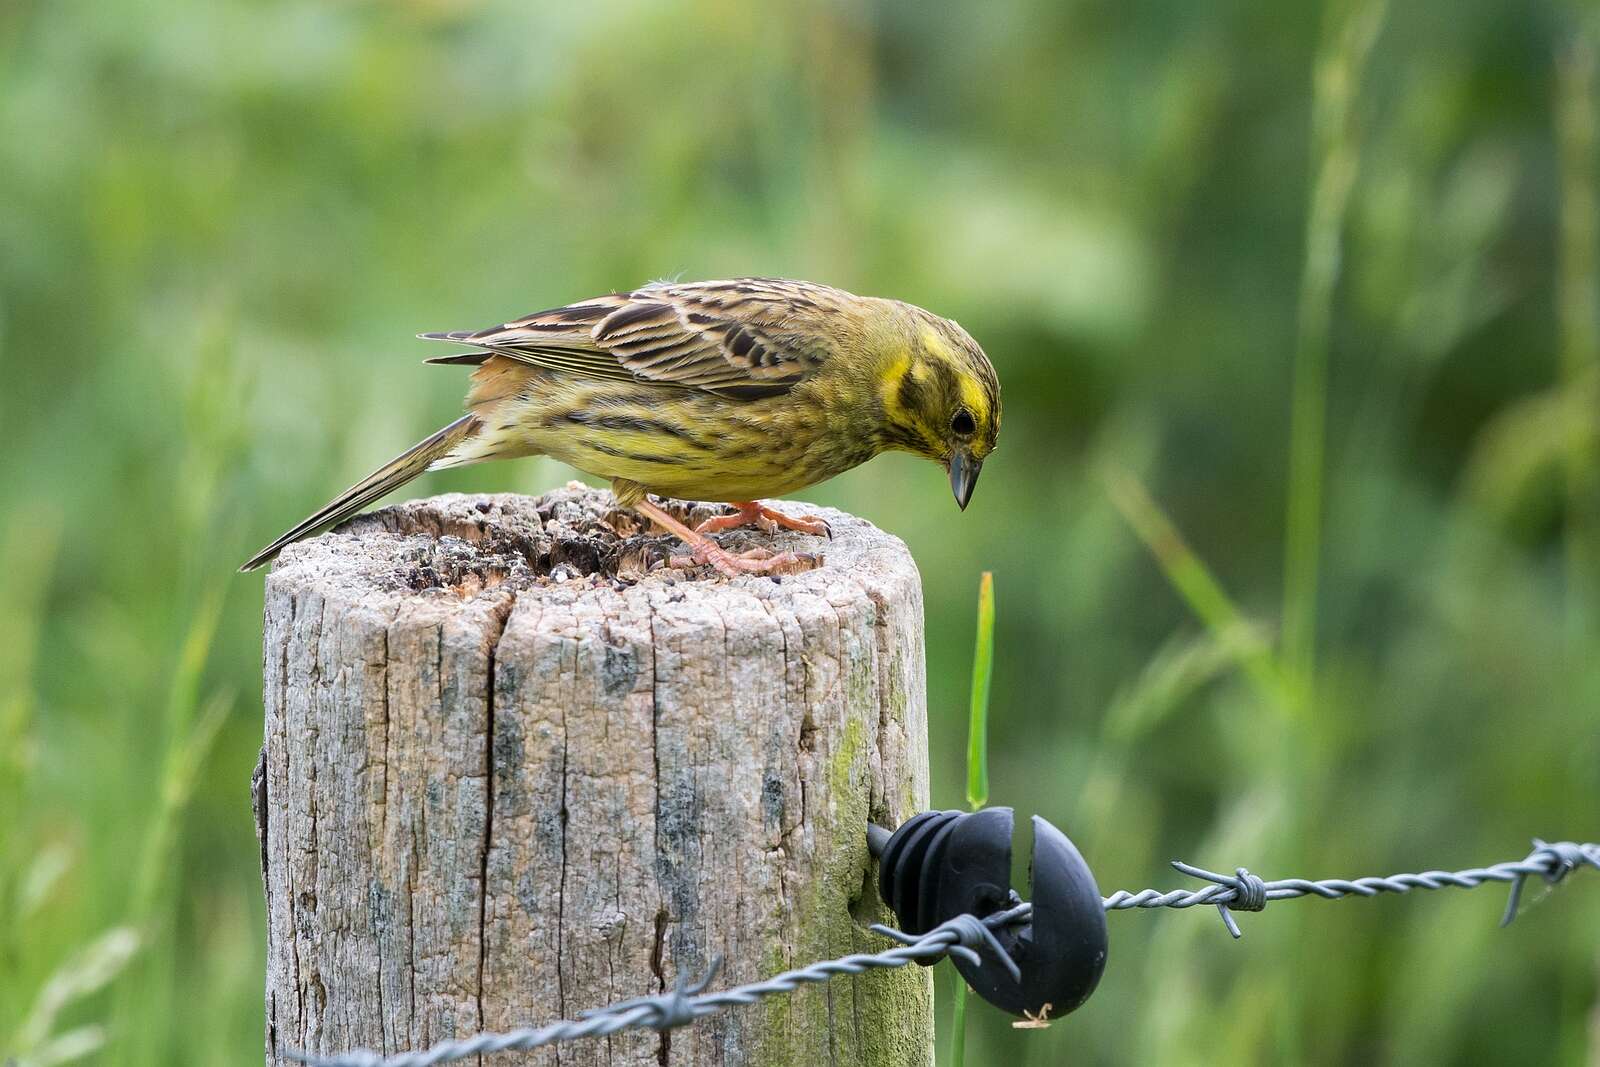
<point x="500" y="786"/>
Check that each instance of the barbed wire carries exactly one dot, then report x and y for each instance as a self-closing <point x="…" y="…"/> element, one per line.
<point x="962" y="936"/>
<point x="1243" y="891"/>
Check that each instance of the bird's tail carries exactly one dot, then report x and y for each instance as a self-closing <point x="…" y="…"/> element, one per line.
<point x="393" y="474"/>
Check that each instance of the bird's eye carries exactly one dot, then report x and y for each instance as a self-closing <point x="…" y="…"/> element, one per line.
<point x="962" y="424"/>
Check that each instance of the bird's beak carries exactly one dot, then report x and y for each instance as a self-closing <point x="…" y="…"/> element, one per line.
<point x="963" y="477"/>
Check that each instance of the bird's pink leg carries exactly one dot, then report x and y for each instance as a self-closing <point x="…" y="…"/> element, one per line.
<point x="754" y="513"/>
<point x="704" y="550"/>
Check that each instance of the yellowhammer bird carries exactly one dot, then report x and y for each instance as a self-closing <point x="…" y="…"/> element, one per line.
<point x="726" y="391"/>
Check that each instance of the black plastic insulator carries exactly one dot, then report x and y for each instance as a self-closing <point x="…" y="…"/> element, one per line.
<point x="941" y="864"/>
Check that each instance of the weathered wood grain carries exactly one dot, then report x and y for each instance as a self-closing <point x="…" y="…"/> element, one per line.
<point x="490" y="798"/>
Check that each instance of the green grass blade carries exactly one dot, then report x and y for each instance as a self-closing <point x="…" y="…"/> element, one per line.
<point x="1175" y="672"/>
<point x="978" y="717"/>
<point x="977" y="773"/>
<point x="1336" y="145"/>
<point x="185" y="758"/>
<point x="1578" y="310"/>
<point x="28" y="549"/>
<point x="88" y="971"/>
<point x="1196" y="584"/>
<point x="958" y="1022"/>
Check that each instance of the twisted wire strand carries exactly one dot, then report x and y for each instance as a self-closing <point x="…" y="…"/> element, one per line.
<point x="960" y="936"/>
<point x="964" y="936"/>
<point x="1245" y="892"/>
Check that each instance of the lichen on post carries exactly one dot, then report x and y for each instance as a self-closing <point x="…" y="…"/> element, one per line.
<point x="514" y="770"/>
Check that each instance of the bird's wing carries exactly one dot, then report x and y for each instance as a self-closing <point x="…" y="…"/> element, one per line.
<point x="745" y="338"/>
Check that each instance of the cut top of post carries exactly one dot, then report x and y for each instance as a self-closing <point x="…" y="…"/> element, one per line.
<point x="574" y="542"/>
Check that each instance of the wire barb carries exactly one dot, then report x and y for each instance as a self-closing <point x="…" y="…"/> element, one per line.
<point x="1555" y="860"/>
<point x="668" y="1010"/>
<point x="970" y="933"/>
<point x="1248" y="893"/>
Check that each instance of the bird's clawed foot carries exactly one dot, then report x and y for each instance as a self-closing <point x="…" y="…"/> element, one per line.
<point x="755" y="561"/>
<point x="768" y="520"/>
<point x="705" y="551"/>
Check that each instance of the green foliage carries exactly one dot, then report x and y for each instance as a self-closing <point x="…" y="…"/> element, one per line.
<point x="977" y="773"/>
<point x="1350" y="33"/>
<point x="978" y="712"/>
<point x="958" y="1019"/>
<point x="1316" y="282"/>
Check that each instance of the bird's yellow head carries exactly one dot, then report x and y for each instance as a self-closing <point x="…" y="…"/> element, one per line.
<point x="941" y="399"/>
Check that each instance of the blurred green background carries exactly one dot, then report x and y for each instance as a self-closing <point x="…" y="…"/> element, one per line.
<point x="1298" y="299"/>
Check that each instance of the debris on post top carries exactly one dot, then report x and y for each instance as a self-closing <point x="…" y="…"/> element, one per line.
<point x="512" y="772"/>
